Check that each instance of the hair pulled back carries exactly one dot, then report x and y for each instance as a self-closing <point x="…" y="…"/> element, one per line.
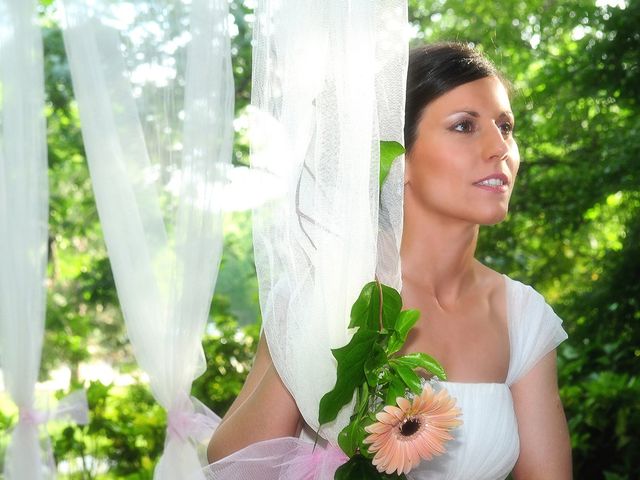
<point x="433" y="71"/>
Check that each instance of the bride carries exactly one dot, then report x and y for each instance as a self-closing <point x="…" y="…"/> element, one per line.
<point x="495" y="337"/>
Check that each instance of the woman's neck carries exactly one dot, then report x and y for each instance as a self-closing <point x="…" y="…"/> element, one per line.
<point x="437" y="254"/>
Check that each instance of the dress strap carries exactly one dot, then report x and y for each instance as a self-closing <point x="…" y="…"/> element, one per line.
<point x="534" y="328"/>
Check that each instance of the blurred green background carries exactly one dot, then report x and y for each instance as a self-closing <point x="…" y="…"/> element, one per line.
<point x="573" y="233"/>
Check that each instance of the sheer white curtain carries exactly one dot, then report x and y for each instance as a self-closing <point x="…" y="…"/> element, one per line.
<point x="23" y="229"/>
<point x="328" y="85"/>
<point x="154" y="87"/>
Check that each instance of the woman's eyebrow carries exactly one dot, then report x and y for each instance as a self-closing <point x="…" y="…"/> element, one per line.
<point x="468" y="112"/>
<point x="473" y="113"/>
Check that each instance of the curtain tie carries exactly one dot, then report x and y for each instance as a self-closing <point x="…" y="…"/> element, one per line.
<point x="73" y="408"/>
<point x="189" y="418"/>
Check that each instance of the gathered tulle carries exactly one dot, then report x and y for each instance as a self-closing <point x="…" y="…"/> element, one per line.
<point x="279" y="459"/>
<point x="155" y="94"/>
<point x="328" y="84"/>
<point x="23" y="234"/>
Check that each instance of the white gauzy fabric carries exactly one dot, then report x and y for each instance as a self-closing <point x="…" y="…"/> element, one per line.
<point x="154" y="88"/>
<point x="328" y="84"/>
<point x="23" y="227"/>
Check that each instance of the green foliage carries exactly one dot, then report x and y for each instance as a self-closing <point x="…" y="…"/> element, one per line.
<point x="369" y="310"/>
<point x="361" y="468"/>
<point x="369" y="367"/>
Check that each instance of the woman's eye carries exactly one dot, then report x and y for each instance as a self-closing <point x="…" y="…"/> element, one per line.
<point x="464" y="126"/>
<point x="506" y="128"/>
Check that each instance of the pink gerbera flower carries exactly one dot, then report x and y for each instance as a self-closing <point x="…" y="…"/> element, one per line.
<point x="412" y="431"/>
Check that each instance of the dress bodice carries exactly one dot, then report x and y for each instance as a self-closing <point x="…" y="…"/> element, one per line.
<point x="486" y="445"/>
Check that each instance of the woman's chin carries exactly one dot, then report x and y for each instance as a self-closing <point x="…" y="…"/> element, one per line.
<point x="493" y="218"/>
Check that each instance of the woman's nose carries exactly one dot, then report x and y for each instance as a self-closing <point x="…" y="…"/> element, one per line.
<point x="495" y="145"/>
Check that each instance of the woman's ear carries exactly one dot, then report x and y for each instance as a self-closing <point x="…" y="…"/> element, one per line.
<point x="407" y="169"/>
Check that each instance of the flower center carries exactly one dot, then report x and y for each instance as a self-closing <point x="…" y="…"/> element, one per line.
<point x="409" y="427"/>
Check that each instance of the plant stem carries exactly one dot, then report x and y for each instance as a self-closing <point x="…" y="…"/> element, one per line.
<point x="380" y="290"/>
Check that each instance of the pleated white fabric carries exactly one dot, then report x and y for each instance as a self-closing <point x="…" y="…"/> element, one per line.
<point x="486" y="445"/>
<point x="155" y="92"/>
<point x="534" y="329"/>
<point x="23" y="230"/>
<point x="328" y="85"/>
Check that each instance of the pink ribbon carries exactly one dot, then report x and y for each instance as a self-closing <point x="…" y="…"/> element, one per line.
<point x="32" y="417"/>
<point x="73" y="408"/>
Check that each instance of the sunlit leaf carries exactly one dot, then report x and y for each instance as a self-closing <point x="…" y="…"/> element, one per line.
<point x="389" y="151"/>
<point x="405" y="322"/>
<point x="365" y="312"/>
<point x="421" y="360"/>
<point x="409" y="377"/>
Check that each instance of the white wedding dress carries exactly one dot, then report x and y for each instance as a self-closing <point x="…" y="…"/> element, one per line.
<point x="485" y="446"/>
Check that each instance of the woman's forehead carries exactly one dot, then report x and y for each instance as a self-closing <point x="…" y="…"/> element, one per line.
<point x="484" y="96"/>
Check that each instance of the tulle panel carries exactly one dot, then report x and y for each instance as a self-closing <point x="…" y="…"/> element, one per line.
<point x="23" y="229"/>
<point x="155" y="92"/>
<point x="328" y="84"/>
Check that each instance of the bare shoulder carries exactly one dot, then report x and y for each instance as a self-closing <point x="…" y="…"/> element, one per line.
<point x="492" y="286"/>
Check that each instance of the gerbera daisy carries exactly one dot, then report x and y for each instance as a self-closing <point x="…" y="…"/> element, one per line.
<point x="412" y="431"/>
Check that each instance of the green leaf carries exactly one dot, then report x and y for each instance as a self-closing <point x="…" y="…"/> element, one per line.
<point x="363" y="403"/>
<point x="360" y="311"/>
<point x="349" y="437"/>
<point x="421" y="360"/>
<point x="360" y="468"/>
<point x="405" y="322"/>
<point x="395" y="389"/>
<point x="350" y="373"/>
<point x="365" y="312"/>
<point x="409" y="377"/>
<point x="377" y="359"/>
<point x="389" y="151"/>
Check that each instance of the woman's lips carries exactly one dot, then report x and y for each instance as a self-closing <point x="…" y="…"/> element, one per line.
<point x="497" y="182"/>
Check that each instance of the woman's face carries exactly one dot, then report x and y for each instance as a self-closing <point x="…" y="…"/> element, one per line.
<point x="464" y="161"/>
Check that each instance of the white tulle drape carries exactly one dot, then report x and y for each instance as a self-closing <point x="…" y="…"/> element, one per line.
<point x="328" y="85"/>
<point x="23" y="229"/>
<point x="154" y="88"/>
